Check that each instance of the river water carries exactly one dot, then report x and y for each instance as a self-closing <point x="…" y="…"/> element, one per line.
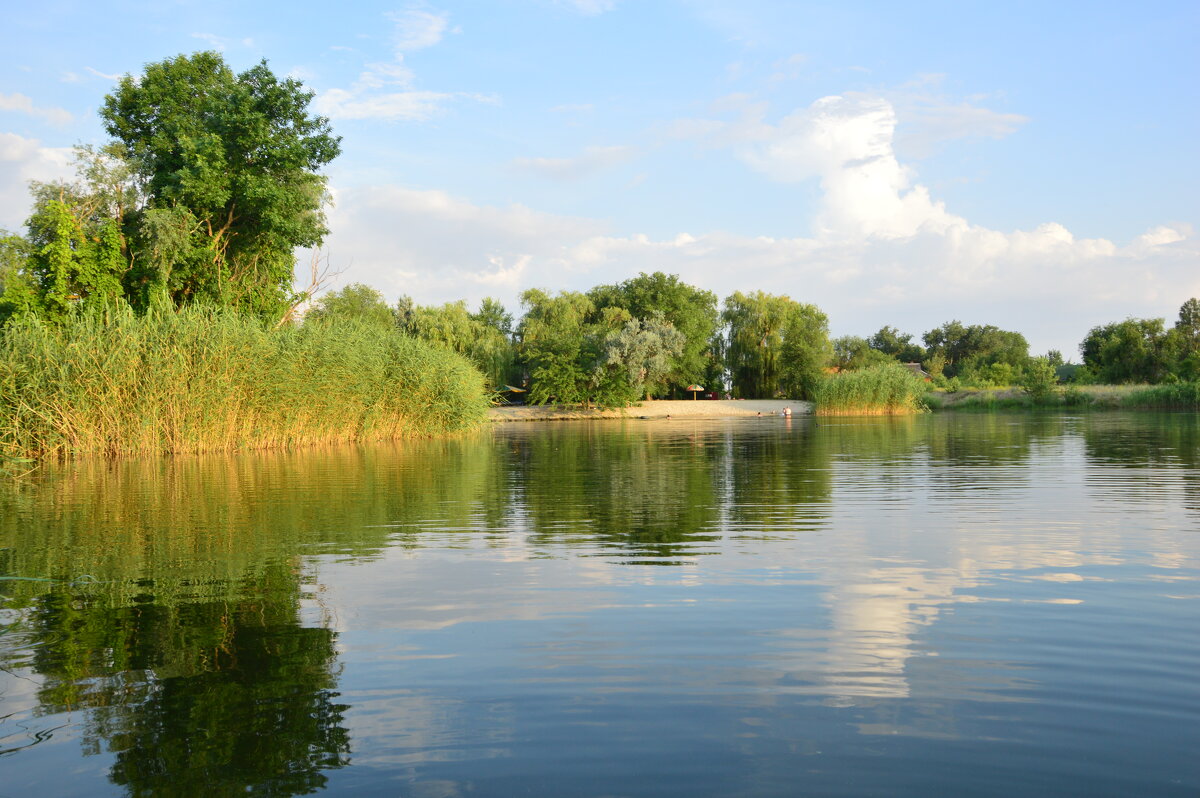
<point x="957" y="605"/>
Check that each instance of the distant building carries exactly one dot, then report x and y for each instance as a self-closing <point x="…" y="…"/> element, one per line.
<point x="915" y="368"/>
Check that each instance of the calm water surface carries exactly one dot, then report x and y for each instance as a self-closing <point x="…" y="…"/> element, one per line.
<point x="950" y="605"/>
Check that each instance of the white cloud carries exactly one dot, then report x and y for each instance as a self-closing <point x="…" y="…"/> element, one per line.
<point x="384" y="90"/>
<point x="884" y="252"/>
<point x="590" y="161"/>
<point x="22" y="104"/>
<point x="218" y="43"/>
<point x="22" y="160"/>
<point x="416" y="29"/>
<point x="104" y="75"/>
<point x="591" y="8"/>
<point x="416" y="106"/>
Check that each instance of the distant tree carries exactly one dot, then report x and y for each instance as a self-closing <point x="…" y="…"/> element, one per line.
<point x="851" y="352"/>
<point x="1040" y="377"/>
<point x="1130" y="351"/>
<point x="690" y="310"/>
<point x="648" y="350"/>
<point x="757" y="345"/>
<point x="355" y="301"/>
<point x="974" y="348"/>
<point x="485" y="338"/>
<point x="806" y="351"/>
<point x="899" y="345"/>
<point x="17" y="293"/>
<point x="564" y="350"/>
<point x="229" y="169"/>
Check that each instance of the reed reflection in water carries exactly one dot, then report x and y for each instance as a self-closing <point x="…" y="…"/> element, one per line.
<point x="951" y="604"/>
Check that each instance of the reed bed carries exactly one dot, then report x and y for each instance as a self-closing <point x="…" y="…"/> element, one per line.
<point x="114" y="383"/>
<point x="885" y="390"/>
<point x="1179" y="396"/>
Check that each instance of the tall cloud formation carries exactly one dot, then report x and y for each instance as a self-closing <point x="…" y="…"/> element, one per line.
<point x="884" y="251"/>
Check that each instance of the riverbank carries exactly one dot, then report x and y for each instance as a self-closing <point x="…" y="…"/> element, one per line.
<point x="658" y="408"/>
<point x="1179" y="396"/>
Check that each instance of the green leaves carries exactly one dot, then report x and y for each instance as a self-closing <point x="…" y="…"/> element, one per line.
<point x="232" y="160"/>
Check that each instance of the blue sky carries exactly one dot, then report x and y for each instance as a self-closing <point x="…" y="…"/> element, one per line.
<point x="1028" y="165"/>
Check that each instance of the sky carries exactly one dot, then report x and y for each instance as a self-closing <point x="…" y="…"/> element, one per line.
<point x="1028" y="165"/>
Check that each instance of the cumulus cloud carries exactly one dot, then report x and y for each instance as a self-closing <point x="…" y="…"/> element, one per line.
<point x="22" y="104"/>
<point x="590" y="161"/>
<point x="22" y="160"/>
<point x="437" y="247"/>
<point x="883" y="251"/>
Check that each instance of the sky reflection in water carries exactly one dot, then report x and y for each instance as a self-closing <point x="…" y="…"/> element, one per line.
<point x="949" y="604"/>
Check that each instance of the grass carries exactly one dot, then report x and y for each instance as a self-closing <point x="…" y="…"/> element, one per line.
<point x="1180" y="396"/>
<point x="884" y="390"/>
<point x="114" y="383"/>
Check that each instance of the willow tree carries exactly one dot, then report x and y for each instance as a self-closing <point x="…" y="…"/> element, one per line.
<point x="775" y="345"/>
<point x="230" y="167"/>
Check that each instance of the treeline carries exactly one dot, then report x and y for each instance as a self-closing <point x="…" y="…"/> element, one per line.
<point x="654" y="335"/>
<point x="650" y="336"/>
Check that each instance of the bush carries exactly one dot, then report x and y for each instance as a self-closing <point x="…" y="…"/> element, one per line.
<point x="1039" y="379"/>
<point x="884" y="390"/>
<point x="112" y="382"/>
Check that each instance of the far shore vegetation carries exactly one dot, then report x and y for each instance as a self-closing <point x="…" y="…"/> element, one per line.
<point x="150" y="307"/>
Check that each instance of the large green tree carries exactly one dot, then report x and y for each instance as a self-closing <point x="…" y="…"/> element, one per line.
<point x="229" y="164"/>
<point x="689" y="310"/>
<point x="774" y="344"/>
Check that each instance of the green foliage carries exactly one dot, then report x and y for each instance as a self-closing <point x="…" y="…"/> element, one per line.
<point x="773" y="344"/>
<point x="355" y="301"/>
<point x="851" y="352"/>
<point x="897" y="345"/>
<point x="228" y="164"/>
<point x="1130" y="351"/>
<point x="485" y="338"/>
<point x="1177" y="396"/>
<point x="112" y="382"/>
<point x="883" y="390"/>
<point x="689" y="310"/>
<point x="1040" y="378"/>
<point x="564" y="342"/>
<point x="975" y="347"/>
<point x="647" y="350"/>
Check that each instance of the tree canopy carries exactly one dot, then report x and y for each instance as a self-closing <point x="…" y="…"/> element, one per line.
<point x="229" y="168"/>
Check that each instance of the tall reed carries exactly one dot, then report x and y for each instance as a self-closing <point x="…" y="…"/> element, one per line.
<point x="884" y="390"/>
<point x="1178" y="396"/>
<point x="112" y="382"/>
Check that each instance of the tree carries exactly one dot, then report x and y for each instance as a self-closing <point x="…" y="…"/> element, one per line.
<point x="485" y="338"/>
<point x="690" y="310"/>
<point x="851" y="353"/>
<point x="899" y="345"/>
<point x="1040" y="377"/>
<point x="1130" y="351"/>
<point x="355" y="301"/>
<point x="964" y="349"/>
<point x="774" y="344"/>
<point x="229" y="166"/>
<point x="647" y="350"/>
<point x="564" y="344"/>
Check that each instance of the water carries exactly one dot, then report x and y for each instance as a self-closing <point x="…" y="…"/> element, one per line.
<point x="971" y="605"/>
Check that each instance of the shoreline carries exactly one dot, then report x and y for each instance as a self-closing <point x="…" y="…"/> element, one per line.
<point x="657" y="408"/>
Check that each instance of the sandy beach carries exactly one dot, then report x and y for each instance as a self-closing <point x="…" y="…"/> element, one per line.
<point x="661" y="408"/>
